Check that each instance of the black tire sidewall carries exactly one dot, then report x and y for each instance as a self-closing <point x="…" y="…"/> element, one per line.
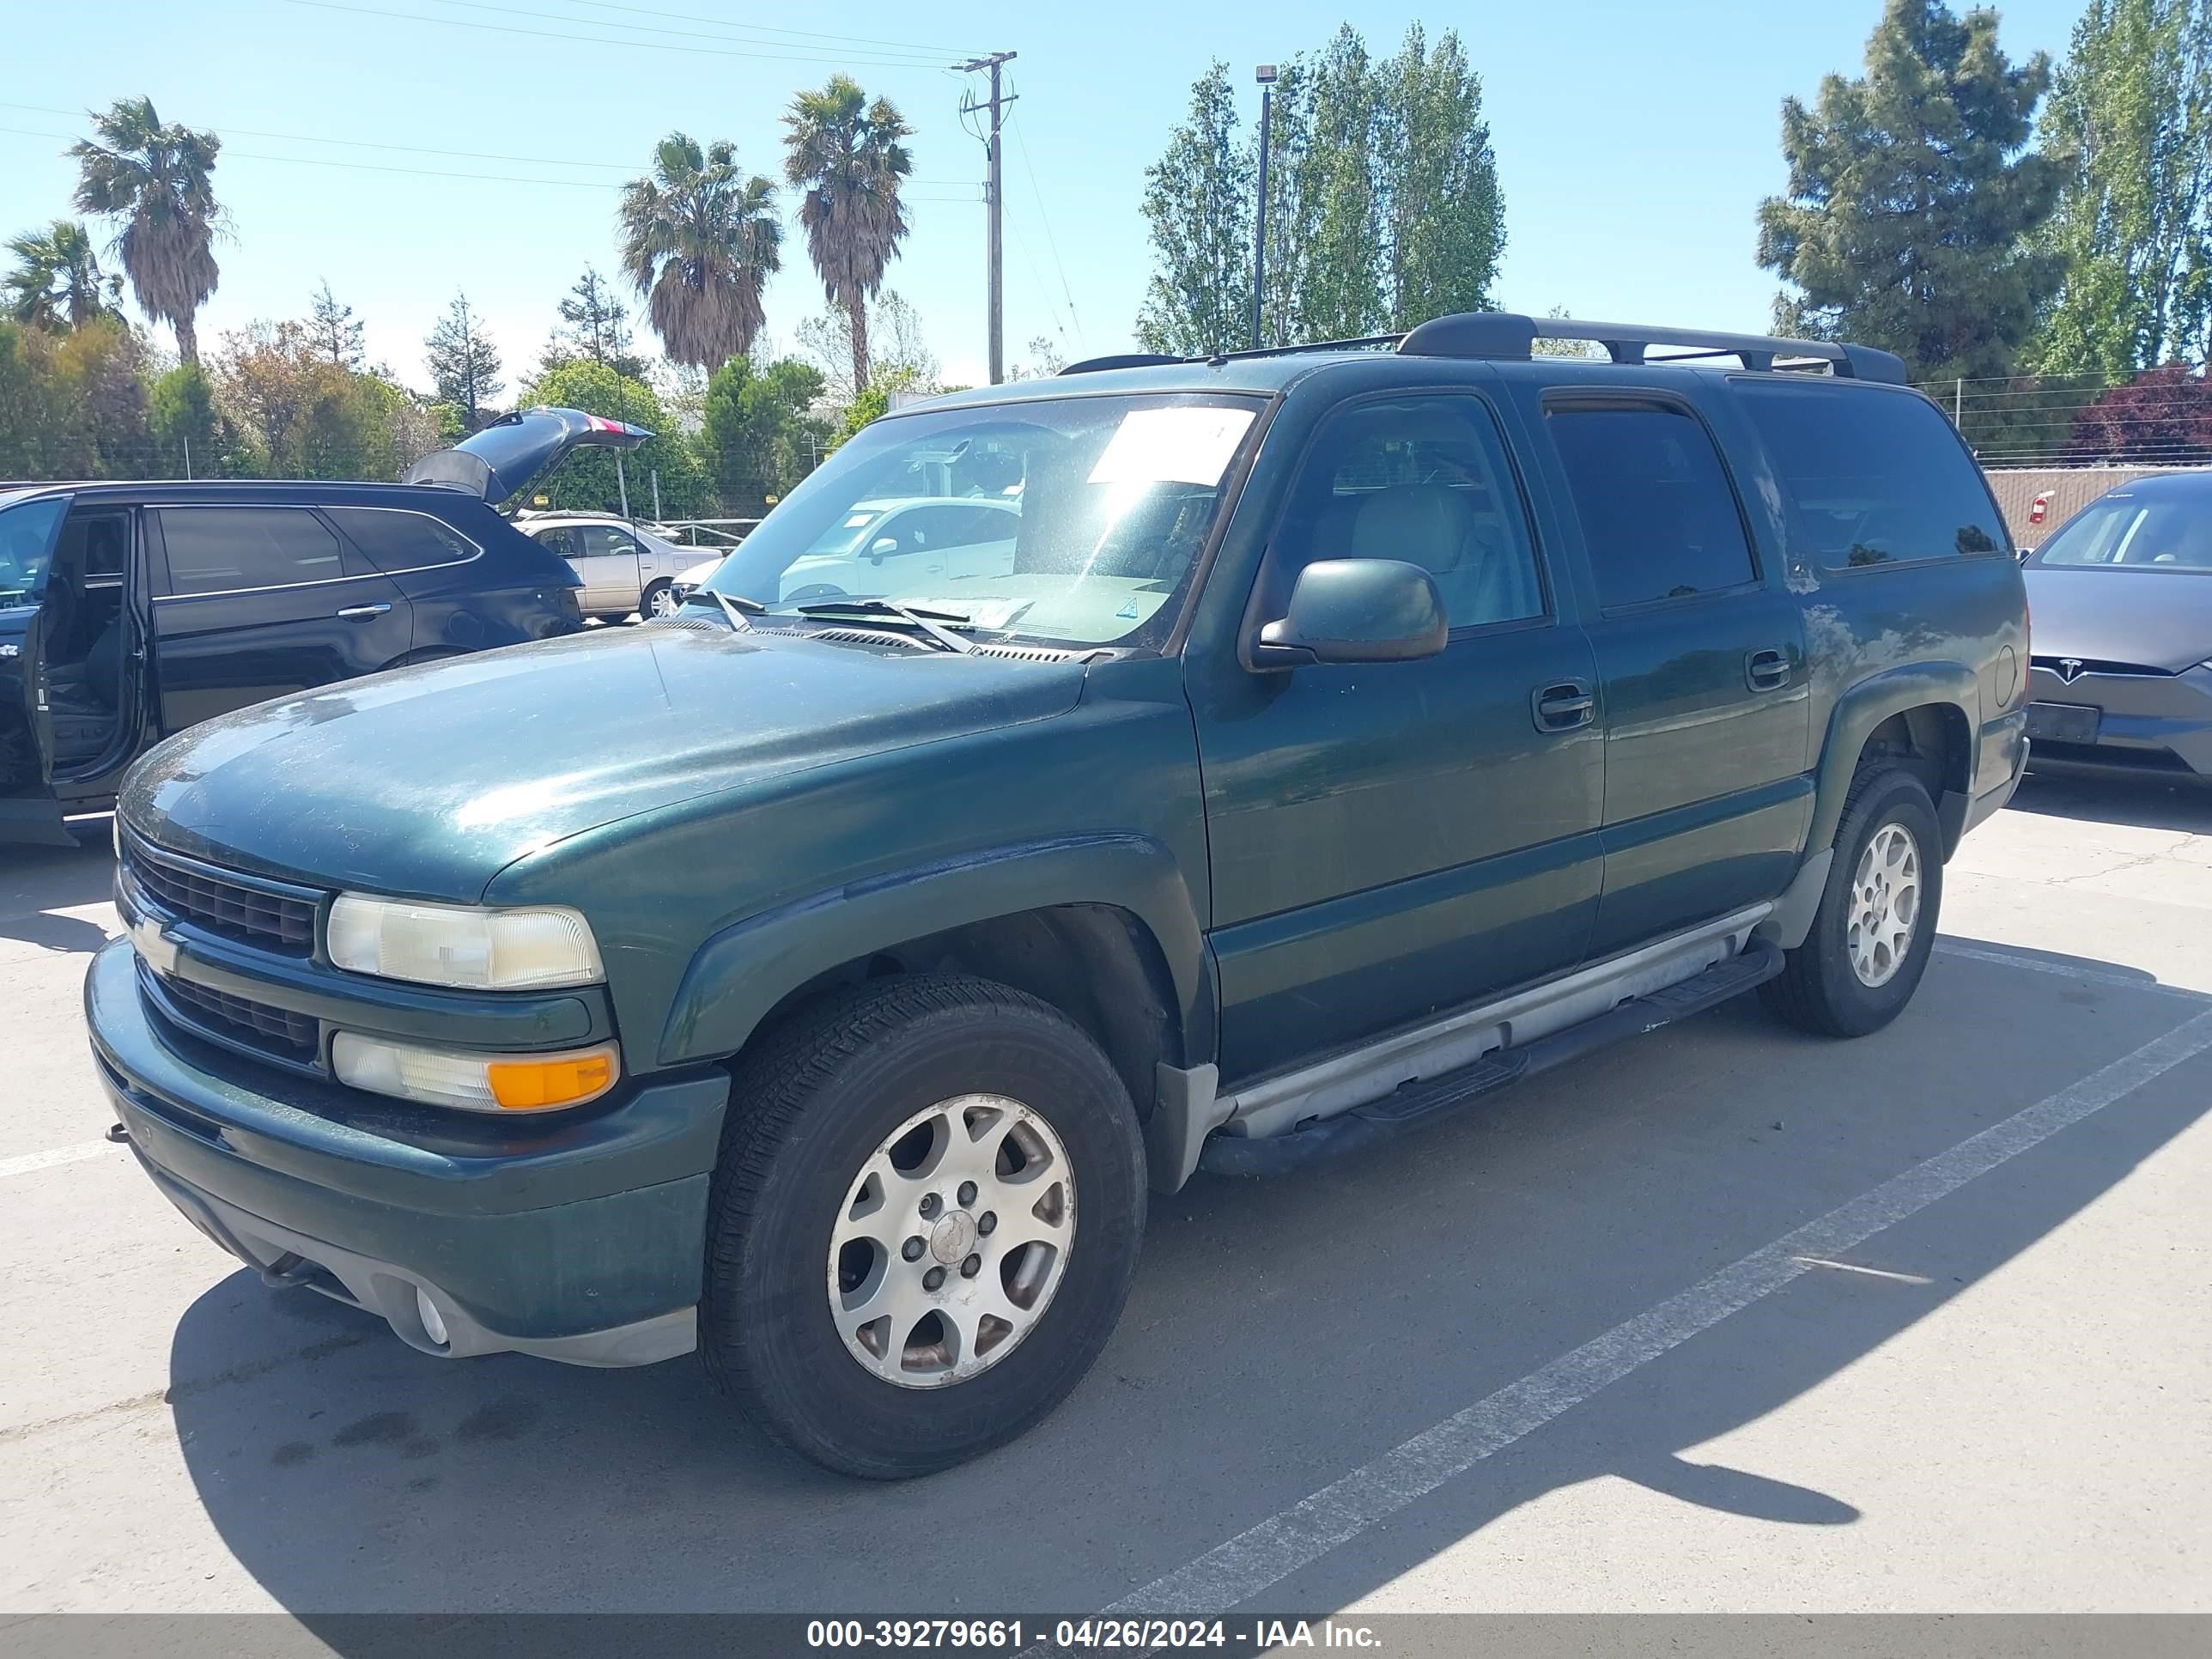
<point x="817" y="1395"/>
<point x="645" y="599"/>
<point x="1855" y="1008"/>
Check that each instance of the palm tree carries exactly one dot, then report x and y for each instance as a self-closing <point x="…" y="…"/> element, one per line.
<point x="157" y="180"/>
<point x="847" y="152"/>
<point x="700" y="241"/>
<point x="61" y="253"/>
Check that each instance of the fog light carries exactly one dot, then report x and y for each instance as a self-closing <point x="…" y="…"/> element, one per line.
<point x="433" y="1324"/>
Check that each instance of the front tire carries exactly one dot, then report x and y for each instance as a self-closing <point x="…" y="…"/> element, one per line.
<point x="1875" y="928"/>
<point x="659" y="600"/>
<point x="938" y="1111"/>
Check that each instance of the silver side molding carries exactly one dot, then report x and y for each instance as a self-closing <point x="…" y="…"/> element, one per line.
<point x="1276" y="1105"/>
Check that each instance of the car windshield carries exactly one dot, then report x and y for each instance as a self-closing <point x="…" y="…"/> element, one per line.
<point x="2135" y="534"/>
<point x="1074" y="521"/>
<point x="27" y="539"/>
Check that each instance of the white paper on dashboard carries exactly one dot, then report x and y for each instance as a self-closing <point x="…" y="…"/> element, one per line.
<point x="1172" y="446"/>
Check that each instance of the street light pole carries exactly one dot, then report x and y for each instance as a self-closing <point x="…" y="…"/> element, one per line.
<point x="1265" y="75"/>
<point x="995" y="281"/>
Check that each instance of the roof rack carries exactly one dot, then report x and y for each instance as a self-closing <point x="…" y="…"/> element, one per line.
<point x="1508" y="336"/>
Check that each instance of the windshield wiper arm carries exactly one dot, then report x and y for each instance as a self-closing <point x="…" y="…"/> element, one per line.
<point x="926" y="621"/>
<point x="733" y="607"/>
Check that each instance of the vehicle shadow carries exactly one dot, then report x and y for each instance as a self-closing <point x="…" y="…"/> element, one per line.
<point x="1282" y="1333"/>
<point x="37" y="883"/>
<point x="2144" y="802"/>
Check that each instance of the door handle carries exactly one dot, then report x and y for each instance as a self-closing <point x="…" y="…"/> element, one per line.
<point x="1562" y="705"/>
<point x="363" y="612"/>
<point x="1767" y="670"/>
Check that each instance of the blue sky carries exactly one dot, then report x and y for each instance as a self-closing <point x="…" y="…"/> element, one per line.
<point x="1633" y="141"/>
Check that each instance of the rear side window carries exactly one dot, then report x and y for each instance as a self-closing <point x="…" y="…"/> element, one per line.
<point x="1658" y="514"/>
<point x="216" y="549"/>
<point x="1870" y="477"/>
<point x="396" y="539"/>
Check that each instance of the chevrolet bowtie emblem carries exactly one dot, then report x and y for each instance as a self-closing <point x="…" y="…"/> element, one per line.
<point x="2070" y="669"/>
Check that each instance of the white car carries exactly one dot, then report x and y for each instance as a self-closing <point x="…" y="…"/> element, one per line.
<point x="888" y="545"/>
<point x="623" y="567"/>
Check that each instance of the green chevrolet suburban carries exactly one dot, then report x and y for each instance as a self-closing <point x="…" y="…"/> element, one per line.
<point x="1229" y="765"/>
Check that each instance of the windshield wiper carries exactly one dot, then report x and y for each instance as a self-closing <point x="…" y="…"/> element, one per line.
<point x="926" y="621"/>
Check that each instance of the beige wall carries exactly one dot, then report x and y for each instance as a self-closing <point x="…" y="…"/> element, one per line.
<point x="2069" y="488"/>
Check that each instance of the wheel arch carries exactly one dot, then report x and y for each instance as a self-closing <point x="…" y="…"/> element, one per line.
<point x="1924" y="715"/>
<point x="1102" y="927"/>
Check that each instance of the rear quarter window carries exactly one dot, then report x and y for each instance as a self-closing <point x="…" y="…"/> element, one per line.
<point x="400" y="538"/>
<point x="1870" y="477"/>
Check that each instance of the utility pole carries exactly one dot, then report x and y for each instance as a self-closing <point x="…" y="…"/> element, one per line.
<point x="995" y="268"/>
<point x="1265" y="75"/>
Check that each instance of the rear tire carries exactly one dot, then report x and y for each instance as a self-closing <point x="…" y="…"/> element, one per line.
<point x="905" y="1083"/>
<point x="658" y="600"/>
<point x="1872" y="936"/>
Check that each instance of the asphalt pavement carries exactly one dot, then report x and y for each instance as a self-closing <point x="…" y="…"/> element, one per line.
<point x="1728" y="1319"/>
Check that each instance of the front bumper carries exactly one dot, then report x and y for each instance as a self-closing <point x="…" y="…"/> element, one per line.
<point x="2147" y="724"/>
<point x="579" y="1238"/>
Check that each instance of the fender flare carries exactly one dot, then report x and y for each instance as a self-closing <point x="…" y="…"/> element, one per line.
<point x="743" y="971"/>
<point x="1866" y="705"/>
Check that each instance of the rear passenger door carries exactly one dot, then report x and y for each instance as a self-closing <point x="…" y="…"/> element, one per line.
<point x="1700" y="664"/>
<point x="1390" y="839"/>
<point x="257" y="601"/>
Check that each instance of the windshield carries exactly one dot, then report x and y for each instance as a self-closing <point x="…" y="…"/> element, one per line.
<point x="27" y="539"/>
<point x="2164" y="533"/>
<point x="1074" y="521"/>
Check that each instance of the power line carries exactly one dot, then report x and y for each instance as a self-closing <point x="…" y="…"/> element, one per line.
<point x="828" y="54"/>
<point x="617" y="40"/>
<point x="432" y="172"/>
<point x="763" y="28"/>
<point x="1045" y="218"/>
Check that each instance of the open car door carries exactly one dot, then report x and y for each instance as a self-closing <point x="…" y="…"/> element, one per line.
<point x="501" y="462"/>
<point x="28" y="808"/>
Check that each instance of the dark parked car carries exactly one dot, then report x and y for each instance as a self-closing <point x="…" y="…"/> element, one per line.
<point x="2122" y="594"/>
<point x="822" y="981"/>
<point x="129" y="611"/>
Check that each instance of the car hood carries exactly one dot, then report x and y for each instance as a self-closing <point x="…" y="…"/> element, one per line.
<point x="2158" y="618"/>
<point x="430" y="780"/>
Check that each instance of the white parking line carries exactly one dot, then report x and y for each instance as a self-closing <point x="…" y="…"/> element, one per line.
<point x="2068" y="970"/>
<point x="30" y="1161"/>
<point x="1232" y="1572"/>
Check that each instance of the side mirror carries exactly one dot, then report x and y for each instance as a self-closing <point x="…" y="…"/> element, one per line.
<point x="881" y="546"/>
<point x="2025" y="553"/>
<point x="1356" y="610"/>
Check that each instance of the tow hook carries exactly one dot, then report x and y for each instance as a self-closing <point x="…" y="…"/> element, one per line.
<point x="118" y="1134"/>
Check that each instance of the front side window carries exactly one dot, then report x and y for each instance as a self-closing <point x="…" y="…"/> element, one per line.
<point x="1074" y="521"/>
<point x="26" y="541"/>
<point x="217" y="550"/>
<point x="1658" y="516"/>
<point x="1424" y="481"/>
<point x="2131" y="532"/>
<point x="395" y="539"/>
<point x="1870" y="477"/>
<point x="559" y="538"/>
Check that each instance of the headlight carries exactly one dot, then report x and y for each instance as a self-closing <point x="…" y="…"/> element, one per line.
<point x="463" y="945"/>
<point x="474" y="1082"/>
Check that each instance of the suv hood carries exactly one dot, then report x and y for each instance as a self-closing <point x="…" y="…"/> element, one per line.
<point x="502" y="461"/>
<point x="2158" y="618"/>
<point x="429" y="781"/>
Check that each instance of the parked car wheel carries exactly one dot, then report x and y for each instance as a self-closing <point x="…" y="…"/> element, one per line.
<point x="925" y="1217"/>
<point x="1876" y="924"/>
<point x="659" y="599"/>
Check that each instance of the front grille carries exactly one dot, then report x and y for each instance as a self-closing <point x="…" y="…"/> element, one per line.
<point x="296" y="1035"/>
<point x="2096" y="665"/>
<point x="233" y="908"/>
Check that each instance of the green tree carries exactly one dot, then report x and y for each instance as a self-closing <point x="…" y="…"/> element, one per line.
<point x="464" y="363"/>
<point x="191" y="438"/>
<point x="587" y="481"/>
<point x="73" y="405"/>
<point x="2129" y="120"/>
<point x="700" y="241"/>
<point x="757" y="439"/>
<point x="1343" y="184"/>
<point x="594" y="328"/>
<point x="159" y="181"/>
<point x="1446" y="215"/>
<point x="334" y="333"/>
<point x="850" y="156"/>
<point x="1198" y="204"/>
<point x="57" y="283"/>
<point x="1913" y="205"/>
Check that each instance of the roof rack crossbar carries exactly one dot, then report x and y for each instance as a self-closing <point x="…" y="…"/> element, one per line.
<point x="1508" y="336"/>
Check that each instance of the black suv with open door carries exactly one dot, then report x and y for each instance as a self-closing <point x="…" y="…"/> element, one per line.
<point x="132" y="610"/>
